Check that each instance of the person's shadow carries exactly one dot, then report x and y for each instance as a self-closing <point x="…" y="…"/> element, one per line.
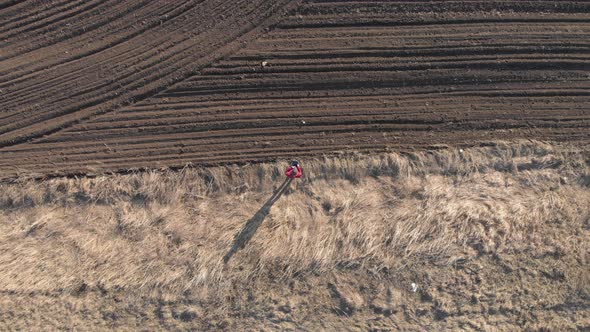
<point x="252" y="225"/>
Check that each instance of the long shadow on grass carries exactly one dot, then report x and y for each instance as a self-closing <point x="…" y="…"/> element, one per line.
<point x="252" y="225"/>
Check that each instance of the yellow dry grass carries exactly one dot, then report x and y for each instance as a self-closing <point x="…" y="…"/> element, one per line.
<point x="162" y="232"/>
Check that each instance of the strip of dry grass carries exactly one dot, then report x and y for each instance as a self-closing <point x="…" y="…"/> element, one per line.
<point x="162" y="233"/>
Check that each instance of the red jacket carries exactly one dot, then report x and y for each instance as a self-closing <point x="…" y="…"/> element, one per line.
<point x="294" y="172"/>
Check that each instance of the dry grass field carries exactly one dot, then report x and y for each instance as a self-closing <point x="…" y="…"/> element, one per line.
<point x="492" y="237"/>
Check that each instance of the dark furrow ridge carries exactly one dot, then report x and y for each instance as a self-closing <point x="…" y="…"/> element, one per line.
<point x="344" y="7"/>
<point x="447" y="51"/>
<point x="387" y="23"/>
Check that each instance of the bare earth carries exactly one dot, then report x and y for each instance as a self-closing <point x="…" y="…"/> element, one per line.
<point x="102" y="85"/>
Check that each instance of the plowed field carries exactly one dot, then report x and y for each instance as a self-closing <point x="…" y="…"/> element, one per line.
<point x="91" y="86"/>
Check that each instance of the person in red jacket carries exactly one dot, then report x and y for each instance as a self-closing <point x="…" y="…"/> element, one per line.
<point x="294" y="171"/>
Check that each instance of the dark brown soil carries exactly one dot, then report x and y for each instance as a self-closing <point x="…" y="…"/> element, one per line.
<point x="105" y="86"/>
